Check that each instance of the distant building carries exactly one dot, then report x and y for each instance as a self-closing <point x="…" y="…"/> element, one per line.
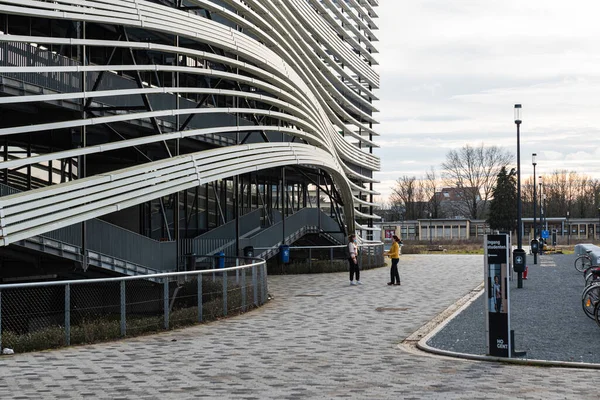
<point x="452" y="202"/>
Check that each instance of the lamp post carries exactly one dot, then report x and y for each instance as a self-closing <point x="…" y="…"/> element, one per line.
<point x="569" y="230"/>
<point x="541" y="215"/>
<point x="430" y="235"/>
<point x="519" y="253"/>
<point x="545" y="213"/>
<point x="533" y="156"/>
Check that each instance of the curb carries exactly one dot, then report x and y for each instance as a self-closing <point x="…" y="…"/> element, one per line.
<point x="418" y="340"/>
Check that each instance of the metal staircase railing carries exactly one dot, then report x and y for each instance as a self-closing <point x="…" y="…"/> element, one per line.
<point x="111" y="247"/>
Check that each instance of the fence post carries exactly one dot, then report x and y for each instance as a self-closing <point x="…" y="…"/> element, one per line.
<point x="199" y="279"/>
<point x="123" y="310"/>
<point x="331" y="257"/>
<point x="243" y="271"/>
<point x="237" y="271"/>
<point x="260" y="284"/>
<point x="309" y="259"/>
<point x="264" y="279"/>
<point x="166" y="300"/>
<point x="68" y="314"/>
<point x="224" y="293"/>
<point x="361" y="256"/>
<point x="254" y="285"/>
<point x="214" y="265"/>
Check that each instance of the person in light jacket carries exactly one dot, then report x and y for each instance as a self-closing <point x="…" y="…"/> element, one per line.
<point x="353" y="260"/>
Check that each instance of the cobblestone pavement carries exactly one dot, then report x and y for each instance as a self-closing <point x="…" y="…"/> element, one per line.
<point x="318" y="338"/>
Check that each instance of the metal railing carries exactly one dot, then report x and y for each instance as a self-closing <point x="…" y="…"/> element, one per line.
<point x="17" y="54"/>
<point x="42" y="315"/>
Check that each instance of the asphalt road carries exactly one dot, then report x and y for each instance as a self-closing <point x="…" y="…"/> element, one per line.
<point x="546" y="315"/>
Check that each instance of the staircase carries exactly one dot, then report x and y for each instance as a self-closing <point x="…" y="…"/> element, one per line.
<point x="125" y="252"/>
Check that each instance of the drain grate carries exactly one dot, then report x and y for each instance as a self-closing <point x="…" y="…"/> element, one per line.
<point x="309" y="295"/>
<point x="382" y="309"/>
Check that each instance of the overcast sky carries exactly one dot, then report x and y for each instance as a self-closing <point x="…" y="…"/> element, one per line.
<point x="452" y="70"/>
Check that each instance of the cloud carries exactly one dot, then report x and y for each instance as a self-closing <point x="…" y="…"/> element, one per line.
<point x="451" y="73"/>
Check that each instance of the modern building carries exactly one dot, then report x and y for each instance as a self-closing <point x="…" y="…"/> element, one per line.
<point x="134" y="133"/>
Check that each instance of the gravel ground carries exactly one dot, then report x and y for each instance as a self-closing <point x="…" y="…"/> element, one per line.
<point x="546" y="315"/>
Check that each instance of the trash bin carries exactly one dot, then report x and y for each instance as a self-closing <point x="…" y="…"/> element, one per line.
<point x="191" y="261"/>
<point x="220" y="260"/>
<point x="535" y="246"/>
<point x="284" y="254"/>
<point x="519" y="260"/>
<point x="248" y="251"/>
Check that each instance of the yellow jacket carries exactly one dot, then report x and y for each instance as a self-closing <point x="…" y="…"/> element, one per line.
<point x="394" y="250"/>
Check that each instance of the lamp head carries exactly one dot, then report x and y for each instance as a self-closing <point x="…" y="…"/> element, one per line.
<point x="533" y="157"/>
<point x="518" y="113"/>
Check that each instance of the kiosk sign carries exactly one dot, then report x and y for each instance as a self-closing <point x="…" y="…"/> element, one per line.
<point x="497" y="260"/>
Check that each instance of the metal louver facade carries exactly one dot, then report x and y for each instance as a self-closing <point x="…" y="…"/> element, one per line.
<point x="121" y="109"/>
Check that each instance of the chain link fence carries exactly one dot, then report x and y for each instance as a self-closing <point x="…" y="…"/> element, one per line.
<point x="43" y="315"/>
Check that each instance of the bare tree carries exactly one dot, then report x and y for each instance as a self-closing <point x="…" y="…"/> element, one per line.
<point x="430" y="187"/>
<point x="408" y="192"/>
<point x="473" y="170"/>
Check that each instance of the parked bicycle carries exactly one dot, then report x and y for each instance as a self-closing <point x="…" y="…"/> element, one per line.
<point x="592" y="275"/>
<point x="597" y="313"/>
<point x="583" y="262"/>
<point x="589" y="299"/>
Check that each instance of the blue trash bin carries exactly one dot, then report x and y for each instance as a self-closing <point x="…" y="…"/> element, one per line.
<point x="284" y="254"/>
<point x="220" y="260"/>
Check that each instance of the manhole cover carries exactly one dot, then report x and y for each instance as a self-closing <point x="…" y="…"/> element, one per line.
<point x="309" y="295"/>
<point x="381" y="309"/>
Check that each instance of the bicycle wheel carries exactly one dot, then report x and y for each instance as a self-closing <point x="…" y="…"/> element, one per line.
<point x="582" y="263"/>
<point x="589" y="299"/>
<point x="589" y="279"/>
<point x="597" y="313"/>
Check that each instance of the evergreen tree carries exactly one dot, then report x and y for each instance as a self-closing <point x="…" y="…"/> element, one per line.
<point x="503" y="207"/>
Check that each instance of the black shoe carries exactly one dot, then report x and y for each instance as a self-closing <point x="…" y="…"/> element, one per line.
<point x="390" y="283"/>
<point x="397" y="283"/>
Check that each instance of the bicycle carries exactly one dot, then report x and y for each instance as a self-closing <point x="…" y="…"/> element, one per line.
<point x="592" y="275"/>
<point x="589" y="299"/>
<point x="583" y="262"/>
<point x="597" y="313"/>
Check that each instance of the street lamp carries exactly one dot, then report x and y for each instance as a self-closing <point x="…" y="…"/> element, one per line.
<point x="541" y="215"/>
<point x="519" y="253"/>
<point x="533" y="156"/>
<point x="545" y="225"/>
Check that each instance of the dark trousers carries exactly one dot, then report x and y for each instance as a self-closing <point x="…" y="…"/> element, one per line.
<point x="354" y="269"/>
<point x="394" y="275"/>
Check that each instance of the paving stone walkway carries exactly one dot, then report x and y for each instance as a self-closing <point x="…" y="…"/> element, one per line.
<point x="319" y="338"/>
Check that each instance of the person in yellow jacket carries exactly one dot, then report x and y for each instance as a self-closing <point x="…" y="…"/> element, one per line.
<point x="394" y="254"/>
